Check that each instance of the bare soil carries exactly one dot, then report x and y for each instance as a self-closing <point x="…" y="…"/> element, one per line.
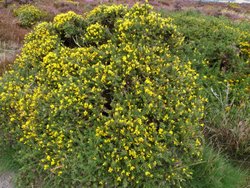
<point x="6" y="180"/>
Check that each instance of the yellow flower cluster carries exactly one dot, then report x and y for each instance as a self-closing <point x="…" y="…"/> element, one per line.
<point x="61" y="19"/>
<point x="38" y="44"/>
<point x="106" y="11"/>
<point x="244" y="43"/>
<point x="95" y="33"/>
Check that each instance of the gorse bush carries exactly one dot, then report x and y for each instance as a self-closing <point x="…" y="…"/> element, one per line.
<point x="102" y="101"/>
<point x="29" y="15"/>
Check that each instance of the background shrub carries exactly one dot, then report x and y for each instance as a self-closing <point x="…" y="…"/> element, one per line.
<point x="219" y="50"/>
<point x="29" y="15"/>
<point x="92" y="103"/>
<point x="215" y="40"/>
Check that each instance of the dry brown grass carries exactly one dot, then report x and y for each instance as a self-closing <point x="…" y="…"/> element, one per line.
<point x="8" y="51"/>
<point x="5" y="65"/>
<point x="9" y="29"/>
<point x="232" y="140"/>
<point x="11" y="37"/>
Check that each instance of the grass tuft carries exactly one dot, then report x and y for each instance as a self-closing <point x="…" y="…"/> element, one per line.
<point x="7" y="160"/>
<point x="216" y="172"/>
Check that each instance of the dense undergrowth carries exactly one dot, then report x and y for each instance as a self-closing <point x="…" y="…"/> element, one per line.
<point x="220" y="52"/>
<point x="116" y="98"/>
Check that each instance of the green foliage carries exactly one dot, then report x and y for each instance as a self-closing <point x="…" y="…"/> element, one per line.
<point x="216" y="40"/>
<point x="216" y="171"/>
<point x="219" y="50"/>
<point x="103" y="103"/>
<point x="29" y="15"/>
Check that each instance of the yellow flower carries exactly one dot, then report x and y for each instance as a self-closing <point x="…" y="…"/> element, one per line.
<point x="110" y="169"/>
<point x="48" y="158"/>
<point x="132" y="168"/>
<point x="45" y="167"/>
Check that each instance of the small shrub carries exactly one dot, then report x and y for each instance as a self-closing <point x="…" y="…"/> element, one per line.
<point x="216" y="40"/>
<point x="29" y="15"/>
<point x="100" y="102"/>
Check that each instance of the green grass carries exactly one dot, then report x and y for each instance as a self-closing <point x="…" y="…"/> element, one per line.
<point x="217" y="172"/>
<point x="7" y="160"/>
